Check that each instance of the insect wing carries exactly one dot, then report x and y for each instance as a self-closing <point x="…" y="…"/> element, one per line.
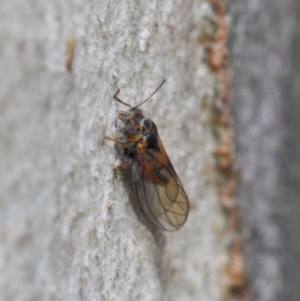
<point x="159" y="191"/>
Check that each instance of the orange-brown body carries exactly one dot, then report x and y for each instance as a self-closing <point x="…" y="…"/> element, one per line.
<point x="156" y="185"/>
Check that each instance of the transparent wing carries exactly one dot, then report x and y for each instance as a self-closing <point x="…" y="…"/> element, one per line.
<point x="159" y="191"/>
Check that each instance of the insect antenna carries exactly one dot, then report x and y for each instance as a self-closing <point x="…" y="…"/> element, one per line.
<point x="151" y="94"/>
<point x="119" y="100"/>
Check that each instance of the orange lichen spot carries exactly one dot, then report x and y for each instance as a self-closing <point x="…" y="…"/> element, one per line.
<point x="236" y="266"/>
<point x="70" y="51"/>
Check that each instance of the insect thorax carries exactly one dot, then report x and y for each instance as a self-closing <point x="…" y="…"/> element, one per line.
<point x="142" y="135"/>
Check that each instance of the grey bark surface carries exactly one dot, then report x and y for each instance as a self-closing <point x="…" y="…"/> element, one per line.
<point x="265" y="77"/>
<point x="68" y="230"/>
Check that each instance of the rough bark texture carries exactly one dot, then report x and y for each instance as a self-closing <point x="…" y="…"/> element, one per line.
<point x="265" y="68"/>
<point x="68" y="229"/>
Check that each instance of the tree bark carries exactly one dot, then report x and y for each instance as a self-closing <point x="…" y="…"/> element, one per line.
<point x="68" y="229"/>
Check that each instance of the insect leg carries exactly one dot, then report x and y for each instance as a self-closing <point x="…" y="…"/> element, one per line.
<point x="114" y="139"/>
<point x="120" y="167"/>
<point x="125" y="163"/>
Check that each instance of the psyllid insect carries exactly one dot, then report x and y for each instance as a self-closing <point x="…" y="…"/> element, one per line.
<point x="155" y="183"/>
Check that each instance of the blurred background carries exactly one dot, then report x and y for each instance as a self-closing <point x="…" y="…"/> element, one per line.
<point x="265" y="81"/>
